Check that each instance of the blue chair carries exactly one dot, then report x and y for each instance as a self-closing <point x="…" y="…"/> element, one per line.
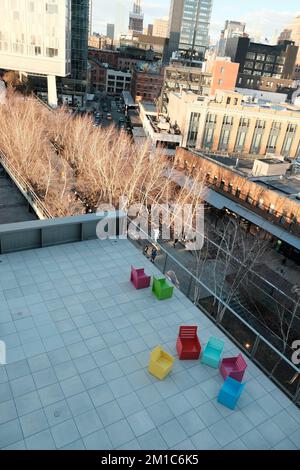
<point x="230" y="392"/>
<point x="213" y="352"/>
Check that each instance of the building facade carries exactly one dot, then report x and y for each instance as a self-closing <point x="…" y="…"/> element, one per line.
<point x="263" y="60"/>
<point x="292" y="32"/>
<point x="110" y="31"/>
<point x="136" y="18"/>
<point x="146" y="84"/>
<point x="189" y="22"/>
<point x="218" y="74"/>
<point x="117" y="81"/>
<point x="232" y="29"/>
<point x="35" y="36"/>
<point x="226" y="124"/>
<point x="224" y="74"/>
<point x="160" y="28"/>
<point x="74" y="87"/>
<point x="98" y="41"/>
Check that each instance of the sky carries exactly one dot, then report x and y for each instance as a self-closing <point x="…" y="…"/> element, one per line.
<point x="264" y="18"/>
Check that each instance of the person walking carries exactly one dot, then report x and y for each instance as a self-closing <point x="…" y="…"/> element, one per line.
<point x="153" y="254"/>
<point x="146" y="248"/>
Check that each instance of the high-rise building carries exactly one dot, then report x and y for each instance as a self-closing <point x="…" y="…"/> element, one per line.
<point x="232" y="29"/>
<point x="149" y="30"/>
<point x="110" y="31"/>
<point x="90" y="17"/>
<point x="136" y="18"/>
<point x="292" y="32"/>
<point x="79" y="48"/>
<point x="160" y="28"/>
<point x="35" y="37"/>
<point x="189" y="22"/>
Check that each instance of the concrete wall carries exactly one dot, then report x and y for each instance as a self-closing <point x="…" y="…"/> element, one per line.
<point x="42" y="233"/>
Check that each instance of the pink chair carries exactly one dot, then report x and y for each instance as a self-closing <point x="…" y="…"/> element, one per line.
<point x="233" y="367"/>
<point x="139" y="279"/>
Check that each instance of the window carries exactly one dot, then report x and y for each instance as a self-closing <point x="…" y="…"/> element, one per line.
<point x="220" y="81"/>
<point x="193" y="129"/>
<point x="51" y="9"/>
<point x="270" y="58"/>
<point x="51" y="52"/>
<point x="271" y="209"/>
<point x="255" y="148"/>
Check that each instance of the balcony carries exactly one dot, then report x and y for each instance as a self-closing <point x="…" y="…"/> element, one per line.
<point x="78" y="339"/>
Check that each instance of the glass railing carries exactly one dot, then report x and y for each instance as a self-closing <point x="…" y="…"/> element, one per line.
<point x="275" y="364"/>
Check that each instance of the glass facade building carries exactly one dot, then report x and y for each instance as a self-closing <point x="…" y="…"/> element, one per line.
<point x="189" y="23"/>
<point x="75" y="86"/>
<point x="195" y="23"/>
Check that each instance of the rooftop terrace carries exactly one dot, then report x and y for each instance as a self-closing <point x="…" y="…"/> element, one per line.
<point x="79" y="336"/>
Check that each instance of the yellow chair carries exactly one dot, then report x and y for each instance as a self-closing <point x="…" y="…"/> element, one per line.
<point x="160" y="363"/>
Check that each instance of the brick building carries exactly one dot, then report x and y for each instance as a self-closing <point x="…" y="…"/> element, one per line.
<point x="146" y="84"/>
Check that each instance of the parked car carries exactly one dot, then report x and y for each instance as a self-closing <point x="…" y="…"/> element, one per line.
<point x="109" y="116"/>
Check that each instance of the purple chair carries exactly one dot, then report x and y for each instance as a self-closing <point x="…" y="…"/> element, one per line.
<point x="139" y="279"/>
<point x="233" y="367"/>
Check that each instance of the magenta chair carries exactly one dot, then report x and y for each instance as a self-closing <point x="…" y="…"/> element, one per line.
<point x="233" y="367"/>
<point x="139" y="279"/>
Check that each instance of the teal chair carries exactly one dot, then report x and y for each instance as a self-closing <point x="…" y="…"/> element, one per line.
<point x="230" y="392"/>
<point x="213" y="352"/>
<point x="161" y="289"/>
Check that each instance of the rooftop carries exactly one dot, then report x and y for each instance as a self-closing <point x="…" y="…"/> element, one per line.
<point x="79" y="336"/>
<point x="285" y="186"/>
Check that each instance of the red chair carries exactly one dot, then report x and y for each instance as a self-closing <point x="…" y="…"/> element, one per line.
<point x="139" y="279"/>
<point x="233" y="367"/>
<point x="188" y="345"/>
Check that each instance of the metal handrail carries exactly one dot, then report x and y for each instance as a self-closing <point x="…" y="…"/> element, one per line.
<point x="198" y="281"/>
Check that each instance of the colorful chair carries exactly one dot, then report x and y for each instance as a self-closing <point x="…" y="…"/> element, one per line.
<point x="188" y="345"/>
<point x="230" y="392"/>
<point x="233" y="367"/>
<point x="160" y="363"/>
<point x="139" y="278"/>
<point x="213" y="352"/>
<point x="161" y="289"/>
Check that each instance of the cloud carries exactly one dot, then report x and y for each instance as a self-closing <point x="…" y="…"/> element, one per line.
<point x="263" y="22"/>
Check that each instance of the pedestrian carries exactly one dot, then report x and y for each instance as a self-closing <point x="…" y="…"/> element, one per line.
<point x="153" y="254"/>
<point x="175" y="242"/>
<point x="146" y="248"/>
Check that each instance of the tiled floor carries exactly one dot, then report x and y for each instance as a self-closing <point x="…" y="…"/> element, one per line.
<point x="78" y="337"/>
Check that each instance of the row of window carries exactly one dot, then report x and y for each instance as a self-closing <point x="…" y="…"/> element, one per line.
<point x="248" y="198"/>
<point x="256" y="56"/>
<point x="243" y="129"/>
